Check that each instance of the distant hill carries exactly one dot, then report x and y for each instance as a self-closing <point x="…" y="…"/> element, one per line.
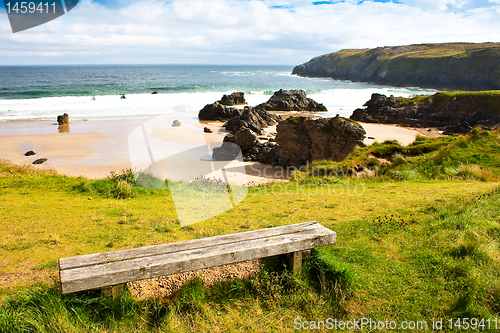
<point x="465" y="66"/>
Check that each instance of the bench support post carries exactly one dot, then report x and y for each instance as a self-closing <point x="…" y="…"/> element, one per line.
<point x="295" y="262"/>
<point x="113" y="291"/>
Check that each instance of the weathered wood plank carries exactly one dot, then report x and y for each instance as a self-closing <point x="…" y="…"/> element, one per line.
<point x="114" y="273"/>
<point x="113" y="256"/>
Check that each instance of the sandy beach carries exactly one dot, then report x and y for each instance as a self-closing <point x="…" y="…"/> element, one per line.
<point x="93" y="149"/>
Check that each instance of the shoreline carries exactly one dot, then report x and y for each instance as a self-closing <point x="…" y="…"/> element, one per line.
<point x="94" y="149"/>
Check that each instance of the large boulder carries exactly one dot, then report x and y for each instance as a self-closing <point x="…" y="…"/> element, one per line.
<point x="291" y="100"/>
<point x="245" y="138"/>
<point x="217" y="111"/>
<point x="227" y="151"/>
<point x="254" y="119"/>
<point x="302" y="140"/>
<point x="63" y="120"/>
<point x="236" y="98"/>
<point x="240" y="142"/>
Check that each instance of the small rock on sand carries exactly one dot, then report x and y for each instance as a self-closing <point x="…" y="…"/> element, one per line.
<point x="40" y="161"/>
<point x="63" y="120"/>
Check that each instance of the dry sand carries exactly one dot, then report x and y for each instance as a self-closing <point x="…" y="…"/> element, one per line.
<point x="95" y="148"/>
<point x="383" y="132"/>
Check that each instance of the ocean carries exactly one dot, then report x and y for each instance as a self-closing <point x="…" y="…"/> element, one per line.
<point x="92" y="92"/>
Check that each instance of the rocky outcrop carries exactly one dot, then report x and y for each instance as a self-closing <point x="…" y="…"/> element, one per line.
<point x="454" y="112"/>
<point x="245" y="130"/>
<point x="265" y="152"/>
<point x="302" y="140"/>
<point x="252" y="118"/>
<point x="30" y="153"/>
<point x="236" y="98"/>
<point x="63" y="120"/>
<point x="291" y="100"/>
<point x="217" y="111"/>
<point x="465" y="66"/>
<point x="228" y="151"/>
<point x="176" y="123"/>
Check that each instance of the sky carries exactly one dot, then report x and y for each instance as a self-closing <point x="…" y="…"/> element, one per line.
<point x="287" y="32"/>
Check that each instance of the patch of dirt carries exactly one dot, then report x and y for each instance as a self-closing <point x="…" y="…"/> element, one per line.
<point x="168" y="287"/>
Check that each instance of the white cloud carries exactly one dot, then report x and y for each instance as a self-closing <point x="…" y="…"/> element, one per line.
<point x="231" y="31"/>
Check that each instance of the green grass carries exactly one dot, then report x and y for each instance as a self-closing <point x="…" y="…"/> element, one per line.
<point x="469" y="101"/>
<point x="475" y="156"/>
<point x="422" y="248"/>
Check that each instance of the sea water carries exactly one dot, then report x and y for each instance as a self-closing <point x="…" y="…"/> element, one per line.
<point x="93" y="92"/>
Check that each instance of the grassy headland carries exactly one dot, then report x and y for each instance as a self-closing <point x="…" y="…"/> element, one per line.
<point x="466" y="66"/>
<point x="418" y="242"/>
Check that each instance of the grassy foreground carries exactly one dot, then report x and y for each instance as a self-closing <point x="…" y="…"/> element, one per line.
<point x="408" y="249"/>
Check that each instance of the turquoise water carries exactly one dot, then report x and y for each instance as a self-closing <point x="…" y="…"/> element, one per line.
<point x="43" y="92"/>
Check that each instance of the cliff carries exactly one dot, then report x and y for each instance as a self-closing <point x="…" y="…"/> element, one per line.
<point x="465" y="66"/>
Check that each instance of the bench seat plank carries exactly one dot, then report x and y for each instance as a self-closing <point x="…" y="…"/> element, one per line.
<point x="191" y="255"/>
<point x="146" y="251"/>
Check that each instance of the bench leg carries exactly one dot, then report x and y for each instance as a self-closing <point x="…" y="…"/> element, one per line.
<point x="295" y="262"/>
<point x="306" y="254"/>
<point x="113" y="291"/>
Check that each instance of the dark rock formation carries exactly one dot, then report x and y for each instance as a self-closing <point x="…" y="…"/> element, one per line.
<point x="217" y="111"/>
<point x="465" y="66"/>
<point x="207" y="130"/>
<point x="302" y="140"/>
<point x="451" y="112"/>
<point x="263" y="152"/>
<point x="254" y="119"/>
<point x="236" y="98"/>
<point x="155" y="93"/>
<point x="227" y="152"/>
<point x="63" y="120"/>
<point x="245" y="138"/>
<point x="176" y="123"/>
<point x="39" y="161"/>
<point x="30" y="153"/>
<point x="291" y="100"/>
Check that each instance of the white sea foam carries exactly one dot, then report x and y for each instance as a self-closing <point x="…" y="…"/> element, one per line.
<point x="338" y="101"/>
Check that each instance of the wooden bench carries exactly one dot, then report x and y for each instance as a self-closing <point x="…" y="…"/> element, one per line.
<point x="110" y="270"/>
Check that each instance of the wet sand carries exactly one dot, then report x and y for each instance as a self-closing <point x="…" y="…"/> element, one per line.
<point x="93" y="149"/>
